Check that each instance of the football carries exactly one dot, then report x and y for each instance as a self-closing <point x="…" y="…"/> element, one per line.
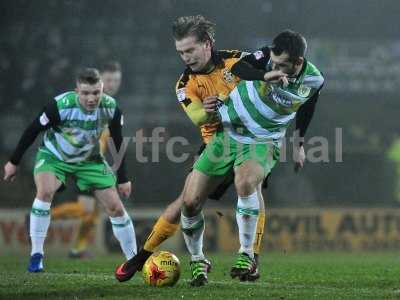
<point x="161" y="269"/>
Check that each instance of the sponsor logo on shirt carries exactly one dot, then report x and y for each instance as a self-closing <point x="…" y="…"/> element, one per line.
<point x="279" y="98"/>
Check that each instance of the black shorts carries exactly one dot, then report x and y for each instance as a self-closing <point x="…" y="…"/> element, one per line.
<point x="227" y="182"/>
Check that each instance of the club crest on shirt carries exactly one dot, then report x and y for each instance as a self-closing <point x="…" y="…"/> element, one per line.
<point x="228" y="76"/>
<point x="303" y="91"/>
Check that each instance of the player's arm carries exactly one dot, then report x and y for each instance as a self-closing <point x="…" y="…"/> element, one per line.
<point x="115" y="127"/>
<point x="306" y="111"/>
<point x="49" y="117"/>
<point x="195" y="111"/>
<point x="191" y="103"/>
<point x="252" y="66"/>
<point x="304" y="116"/>
<point x="303" y="120"/>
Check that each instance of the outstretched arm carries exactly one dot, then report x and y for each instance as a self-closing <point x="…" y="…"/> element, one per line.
<point x="47" y="118"/>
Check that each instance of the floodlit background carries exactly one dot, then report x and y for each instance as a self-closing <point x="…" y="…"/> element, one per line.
<point x="355" y="44"/>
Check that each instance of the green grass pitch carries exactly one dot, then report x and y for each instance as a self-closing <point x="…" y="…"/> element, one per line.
<point x="284" y="276"/>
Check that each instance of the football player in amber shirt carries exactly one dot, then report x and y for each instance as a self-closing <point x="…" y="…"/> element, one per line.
<point x="207" y="74"/>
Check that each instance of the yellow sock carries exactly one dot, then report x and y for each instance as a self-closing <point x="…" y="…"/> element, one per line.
<point x="259" y="232"/>
<point x="67" y="210"/>
<point x="85" y="230"/>
<point x="162" y="230"/>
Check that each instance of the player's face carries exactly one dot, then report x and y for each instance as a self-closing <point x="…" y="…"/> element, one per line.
<point x="196" y="55"/>
<point x="89" y="95"/>
<point x="112" y="82"/>
<point x="284" y="64"/>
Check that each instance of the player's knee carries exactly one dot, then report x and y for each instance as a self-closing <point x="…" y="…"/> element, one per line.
<point x="115" y="209"/>
<point x="191" y="205"/>
<point x="45" y="194"/>
<point x="246" y="185"/>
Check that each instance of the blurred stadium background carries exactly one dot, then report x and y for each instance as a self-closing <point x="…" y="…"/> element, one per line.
<point x="355" y="44"/>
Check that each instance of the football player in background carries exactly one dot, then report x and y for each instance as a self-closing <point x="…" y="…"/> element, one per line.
<point x="72" y="124"/>
<point x="85" y="208"/>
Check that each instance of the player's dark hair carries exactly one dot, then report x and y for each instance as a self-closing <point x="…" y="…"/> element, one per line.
<point x="293" y="43"/>
<point x="88" y="76"/>
<point x="110" y="66"/>
<point x="197" y="26"/>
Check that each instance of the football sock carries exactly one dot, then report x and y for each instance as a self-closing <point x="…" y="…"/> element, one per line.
<point x="193" y="230"/>
<point x="39" y="224"/>
<point x="259" y="232"/>
<point x="68" y="210"/>
<point x="125" y="233"/>
<point x="246" y="218"/>
<point x="162" y="230"/>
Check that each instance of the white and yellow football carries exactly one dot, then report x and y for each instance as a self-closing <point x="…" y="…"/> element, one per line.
<point x="161" y="269"/>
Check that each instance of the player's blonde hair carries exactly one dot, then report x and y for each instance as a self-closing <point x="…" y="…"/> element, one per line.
<point x="197" y="26"/>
